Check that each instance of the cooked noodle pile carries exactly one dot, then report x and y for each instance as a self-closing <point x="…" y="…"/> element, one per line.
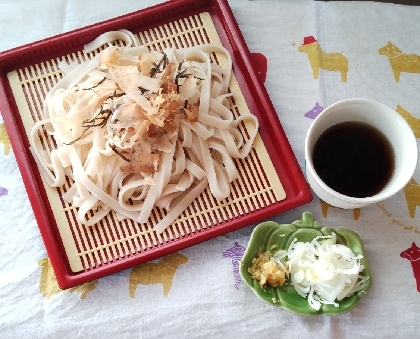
<point x="137" y="129"/>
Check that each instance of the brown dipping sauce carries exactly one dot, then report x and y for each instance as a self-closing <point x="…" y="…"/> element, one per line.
<point x="354" y="159"/>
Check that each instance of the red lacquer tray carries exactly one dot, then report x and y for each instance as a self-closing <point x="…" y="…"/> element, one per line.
<point x="270" y="180"/>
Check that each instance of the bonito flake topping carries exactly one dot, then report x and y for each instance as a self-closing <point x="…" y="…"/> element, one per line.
<point x="148" y="105"/>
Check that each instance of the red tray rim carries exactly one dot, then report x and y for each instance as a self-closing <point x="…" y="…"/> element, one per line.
<point x="298" y="192"/>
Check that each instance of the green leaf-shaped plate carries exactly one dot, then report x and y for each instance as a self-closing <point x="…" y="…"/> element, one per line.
<point x="269" y="233"/>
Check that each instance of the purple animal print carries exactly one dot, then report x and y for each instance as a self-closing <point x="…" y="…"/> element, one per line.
<point x="3" y="191"/>
<point x="235" y="253"/>
<point x="314" y="112"/>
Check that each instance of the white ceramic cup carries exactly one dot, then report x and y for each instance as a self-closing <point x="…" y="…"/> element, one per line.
<point x="378" y="115"/>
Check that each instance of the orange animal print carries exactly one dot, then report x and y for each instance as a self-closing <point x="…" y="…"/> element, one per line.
<point x="400" y="62"/>
<point x="48" y="285"/>
<point x="411" y="120"/>
<point x="4" y="139"/>
<point x="413" y="254"/>
<point x="412" y="196"/>
<point x="161" y="272"/>
<point x="325" y="206"/>
<point x="327" y="61"/>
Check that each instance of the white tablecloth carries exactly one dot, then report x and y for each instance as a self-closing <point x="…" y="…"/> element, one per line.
<point x="206" y="299"/>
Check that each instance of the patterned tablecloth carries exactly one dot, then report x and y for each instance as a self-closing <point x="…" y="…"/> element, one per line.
<point x="197" y="292"/>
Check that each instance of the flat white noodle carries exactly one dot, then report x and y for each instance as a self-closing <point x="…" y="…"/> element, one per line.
<point x="195" y="155"/>
<point x="65" y="67"/>
<point x="107" y="37"/>
<point x="182" y="205"/>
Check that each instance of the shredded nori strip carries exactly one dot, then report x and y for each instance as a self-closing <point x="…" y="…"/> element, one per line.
<point x="156" y="69"/>
<point x="143" y="90"/>
<point x="165" y="61"/>
<point x="181" y="75"/>
<point x="180" y="65"/>
<point x="93" y="87"/>
<point x="115" y="95"/>
<point x="100" y="120"/>
<point x="80" y="137"/>
<point x="114" y="148"/>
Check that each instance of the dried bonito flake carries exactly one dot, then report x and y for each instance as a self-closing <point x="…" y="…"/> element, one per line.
<point x="150" y="93"/>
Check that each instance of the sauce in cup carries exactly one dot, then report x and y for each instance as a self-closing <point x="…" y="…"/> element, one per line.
<point x="354" y="159"/>
<point x="370" y="153"/>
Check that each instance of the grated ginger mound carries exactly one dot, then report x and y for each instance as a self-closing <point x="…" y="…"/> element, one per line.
<point x="266" y="271"/>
